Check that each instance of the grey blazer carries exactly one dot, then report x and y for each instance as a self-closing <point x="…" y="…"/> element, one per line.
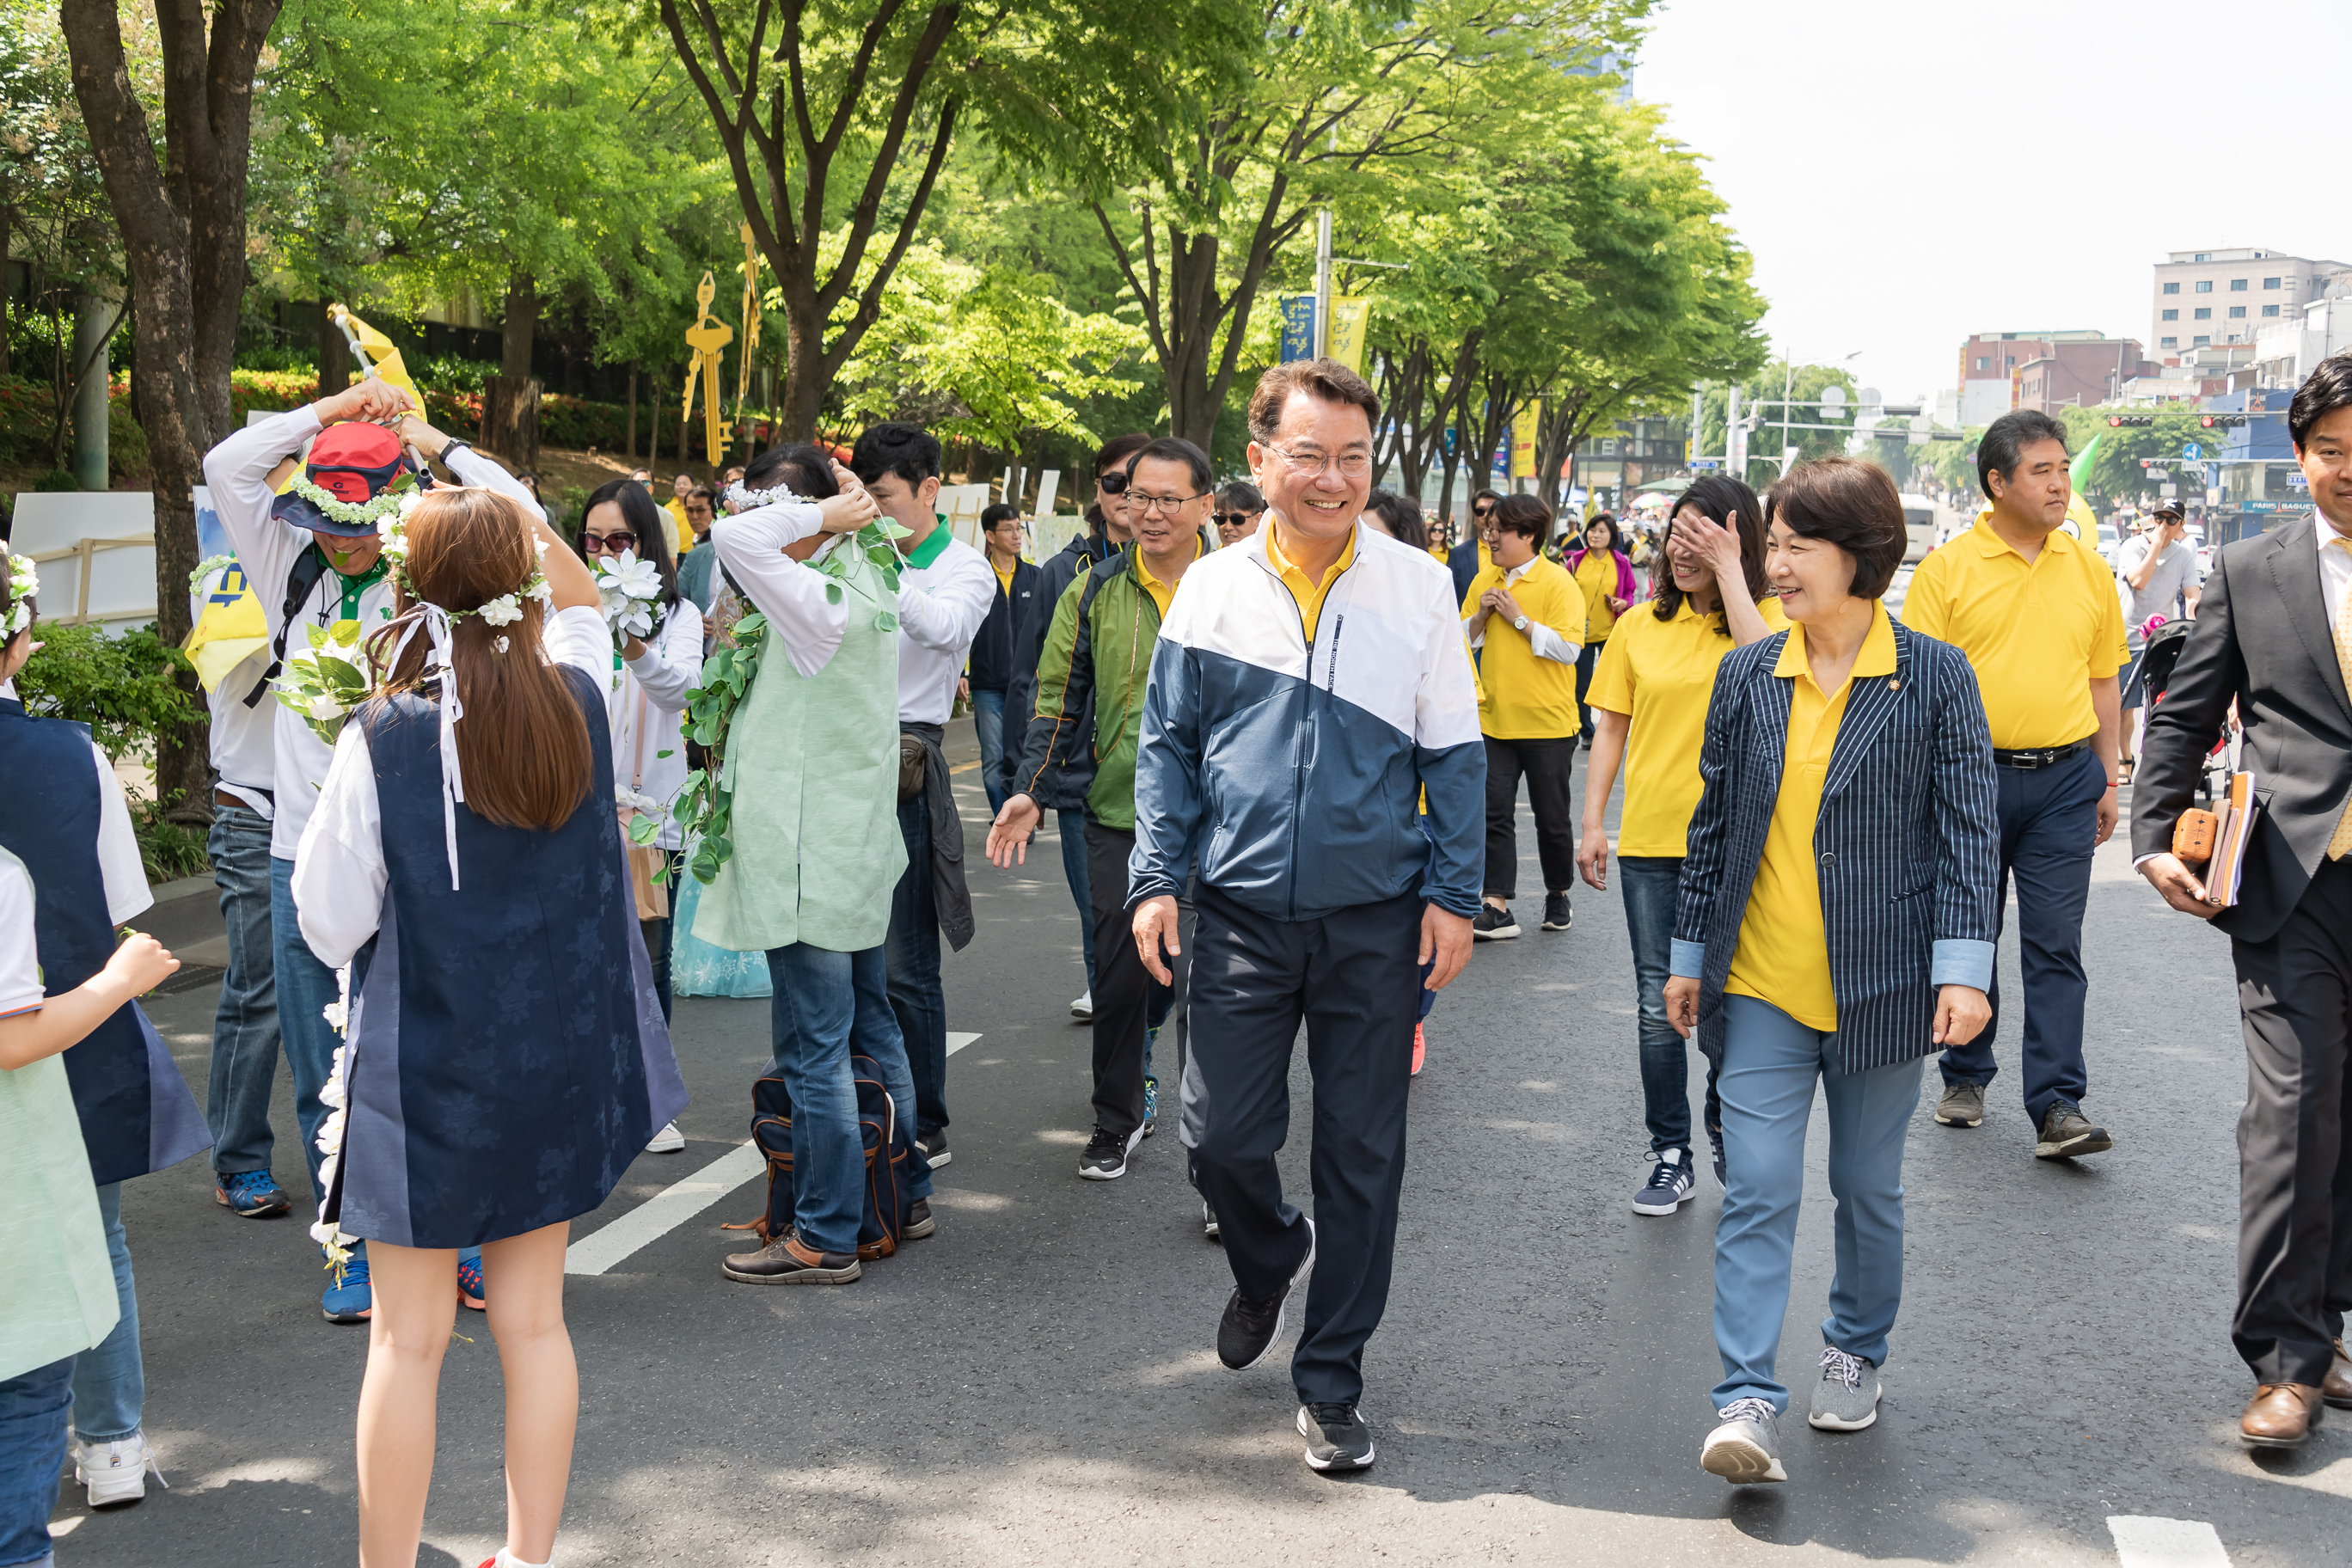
<point x="1906" y="842"/>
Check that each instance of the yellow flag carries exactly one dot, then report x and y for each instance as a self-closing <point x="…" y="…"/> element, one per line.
<point x="1523" y="439"/>
<point x="376" y="356"/>
<point x="1350" y="316"/>
<point x="228" y="630"/>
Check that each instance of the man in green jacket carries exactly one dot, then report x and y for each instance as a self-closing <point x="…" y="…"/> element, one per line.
<point x="1098" y="646"/>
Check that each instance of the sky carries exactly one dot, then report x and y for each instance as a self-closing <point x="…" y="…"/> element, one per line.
<point x="1908" y="172"/>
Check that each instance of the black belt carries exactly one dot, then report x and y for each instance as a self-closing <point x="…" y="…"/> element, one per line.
<point x="2038" y="756"/>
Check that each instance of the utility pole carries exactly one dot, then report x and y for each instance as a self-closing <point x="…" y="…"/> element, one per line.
<point x="1735" y="447"/>
<point x="1322" y="283"/>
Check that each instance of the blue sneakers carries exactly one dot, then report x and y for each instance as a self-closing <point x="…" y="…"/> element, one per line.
<point x="1151" y="1104"/>
<point x="253" y="1194"/>
<point x="348" y="1297"/>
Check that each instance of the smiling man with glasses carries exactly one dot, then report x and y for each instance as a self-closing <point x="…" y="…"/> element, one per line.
<point x="1090" y="684"/>
<point x="1326" y="661"/>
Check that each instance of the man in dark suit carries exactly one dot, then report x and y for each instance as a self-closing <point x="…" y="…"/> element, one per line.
<point x="1467" y="558"/>
<point x="2275" y="636"/>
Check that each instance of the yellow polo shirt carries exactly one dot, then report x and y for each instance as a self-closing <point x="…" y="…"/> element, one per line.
<point x="1660" y="674"/>
<point x="1307" y="592"/>
<point x="2037" y="635"/>
<point x="1162" y="593"/>
<point x="1003" y="578"/>
<point x="1522" y="696"/>
<point x="1783" y="955"/>
<point x="1596" y="574"/>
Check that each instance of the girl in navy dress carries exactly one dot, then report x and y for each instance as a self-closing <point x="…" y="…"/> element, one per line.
<point x="505" y="1056"/>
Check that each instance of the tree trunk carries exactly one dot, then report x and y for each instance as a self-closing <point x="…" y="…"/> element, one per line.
<point x="334" y="354"/>
<point x="510" y="419"/>
<point x="184" y="244"/>
<point x="522" y="324"/>
<point x="653" y="418"/>
<point x="8" y="304"/>
<point x="630" y="455"/>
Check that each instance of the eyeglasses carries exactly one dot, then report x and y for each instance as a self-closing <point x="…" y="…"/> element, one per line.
<point x="1170" y="504"/>
<point x="609" y="543"/>
<point x="1111" y="484"/>
<point x="1351" y="465"/>
<point x="1231" y="518"/>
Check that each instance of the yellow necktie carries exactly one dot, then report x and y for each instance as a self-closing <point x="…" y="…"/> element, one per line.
<point x="2341" y="843"/>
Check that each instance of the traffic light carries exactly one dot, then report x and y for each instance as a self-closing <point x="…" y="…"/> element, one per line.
<point x="2128" y="421"/>
<point x="2223" y="421"/>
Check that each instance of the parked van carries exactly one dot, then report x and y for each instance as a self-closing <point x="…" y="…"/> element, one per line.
<point x="1919" y="522"/>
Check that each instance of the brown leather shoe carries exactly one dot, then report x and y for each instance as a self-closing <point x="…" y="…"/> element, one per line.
<point x="2280" y="1415"/>
<point x="2337" y="1387"/>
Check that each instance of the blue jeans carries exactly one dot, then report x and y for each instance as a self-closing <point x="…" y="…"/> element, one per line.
<point x="1072" y="826"/>
<point x="988" y="724"/>
<point x="110" y="1381"/>
<point x="1769" y="1063"/>
<point x="306" y="988"/>
<point x="32" y="1453"/>
<point x="827" y="1007"/>
<point x="244" y="1025"/>
<point x="2048" y="822"/>
<point x="911" y="952"/>
<point x="1650" y="883"/>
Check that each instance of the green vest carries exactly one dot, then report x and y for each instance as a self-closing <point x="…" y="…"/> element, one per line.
<point x="813" y="762"/>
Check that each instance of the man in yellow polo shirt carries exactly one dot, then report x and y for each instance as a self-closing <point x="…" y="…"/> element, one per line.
<point x="1527" y="616"/>
<point x="2036" y="612"/>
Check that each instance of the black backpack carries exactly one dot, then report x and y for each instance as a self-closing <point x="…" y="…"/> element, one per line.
<point x="888" y="1153"/>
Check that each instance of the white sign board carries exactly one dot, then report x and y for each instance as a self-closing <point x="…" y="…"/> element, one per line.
<point x="95" y="553"/>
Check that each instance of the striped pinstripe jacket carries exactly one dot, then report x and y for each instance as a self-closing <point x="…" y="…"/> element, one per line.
<point x="1906" y="842"/>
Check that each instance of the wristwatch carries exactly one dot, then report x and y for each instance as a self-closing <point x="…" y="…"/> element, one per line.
<point x="1521" y="624"/>
<point x="448" y="446"/>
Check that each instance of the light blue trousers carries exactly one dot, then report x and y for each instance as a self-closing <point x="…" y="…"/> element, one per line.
<point x="1770" y="1064"/>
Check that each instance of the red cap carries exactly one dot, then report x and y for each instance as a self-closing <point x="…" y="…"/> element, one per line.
<point x="352" y="460"/>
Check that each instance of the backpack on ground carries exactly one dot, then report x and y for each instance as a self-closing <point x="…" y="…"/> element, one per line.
<point x="888" y="1145"/>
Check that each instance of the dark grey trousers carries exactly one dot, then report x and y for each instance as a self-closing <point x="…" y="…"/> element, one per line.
<point x="1122" y="986"/>
<point x="2295" y="1181"/>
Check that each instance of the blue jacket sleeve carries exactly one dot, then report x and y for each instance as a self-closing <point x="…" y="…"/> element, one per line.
<point x="1168" y="766"/>
<point x="1710" y="824"/>
<point x="1967" y="849"/>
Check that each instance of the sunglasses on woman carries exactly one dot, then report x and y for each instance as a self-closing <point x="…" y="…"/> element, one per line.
<point x="609" y="543"/>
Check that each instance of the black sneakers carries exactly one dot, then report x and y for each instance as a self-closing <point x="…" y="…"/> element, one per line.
<point x="1492" y="924"/>
<point x="1248" y="1330"/>
<point x="1556" y="916"/>
<point x="934" y="1145"/>
<point x="920" y="1221"/>
<point x="1671" y="1184"/>
<point x="2066" y="1133"/>
<point x="1106" y="1156"/>
<point x="1337" y="1438"/>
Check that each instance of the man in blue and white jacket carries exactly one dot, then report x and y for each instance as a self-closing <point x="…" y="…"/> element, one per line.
<point x="1309" y="684"/>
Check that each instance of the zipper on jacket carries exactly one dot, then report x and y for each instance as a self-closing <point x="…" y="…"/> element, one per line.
<point x="1313" y="727"/>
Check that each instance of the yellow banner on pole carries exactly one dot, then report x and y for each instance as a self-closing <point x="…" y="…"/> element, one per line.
<point x="1346" y="342"/>
<point x="1523" y="439"/>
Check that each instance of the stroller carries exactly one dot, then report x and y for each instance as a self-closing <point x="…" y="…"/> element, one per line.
<point x="2159" y="655"/>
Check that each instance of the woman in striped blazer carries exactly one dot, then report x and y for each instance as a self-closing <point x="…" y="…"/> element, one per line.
<point x="1835" y="921"/>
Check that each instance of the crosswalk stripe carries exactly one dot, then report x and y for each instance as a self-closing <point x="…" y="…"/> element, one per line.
<point x="2145" y="1543"/>
<point x="663" y="1212"/>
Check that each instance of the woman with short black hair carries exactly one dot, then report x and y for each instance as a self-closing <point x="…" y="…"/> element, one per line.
<point x="1605" y="576"/>
<point x="1835" y="924"/>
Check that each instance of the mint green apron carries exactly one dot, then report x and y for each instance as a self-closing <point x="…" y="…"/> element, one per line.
<point x="814" y="761"/>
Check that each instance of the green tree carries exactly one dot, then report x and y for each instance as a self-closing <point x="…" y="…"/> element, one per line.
<point x="2116" y="473"/>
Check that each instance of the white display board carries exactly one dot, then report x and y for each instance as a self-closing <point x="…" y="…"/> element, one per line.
<point x="95" y="553"/>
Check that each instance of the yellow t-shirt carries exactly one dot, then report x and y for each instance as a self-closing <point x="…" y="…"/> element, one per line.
<point x="673" y="524"/>
<point x="1306" y="591"/>
<point x="1660" y="675"/>
<point x="2037" y="635"/>
<point x="1162" y="594"/>
<point x="1597" y="576"/>
<point x="1783" y="955"/>
<point x="1003" y="578"/>
<point x="1522" y="696"/>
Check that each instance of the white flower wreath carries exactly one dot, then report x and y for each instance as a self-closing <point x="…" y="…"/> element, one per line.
<point x="504" y="610"/>
<point x="24" y="582"/>
<point x="745" y="500"/>
<point x="393" y="497"/>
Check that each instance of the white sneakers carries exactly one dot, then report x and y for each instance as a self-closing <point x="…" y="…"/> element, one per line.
<point x="115" y="1472"/>
<point x="668" y="1141"/>
<point x="1082" y="1005"/>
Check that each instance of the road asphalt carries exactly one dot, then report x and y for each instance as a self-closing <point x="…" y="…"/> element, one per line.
<point x="1038" y="1383"/>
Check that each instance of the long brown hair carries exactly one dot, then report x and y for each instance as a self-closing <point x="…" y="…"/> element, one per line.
<point x="522" y="741"/>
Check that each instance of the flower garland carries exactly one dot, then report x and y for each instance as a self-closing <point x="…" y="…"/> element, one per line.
<point x="744" y="500"/>
<point x="393" y="497"/>
<point x="24" y="582"/>
<point x="504" y="610"/>
<point x="206" y="568"/>
<point x="333" y="1094"/>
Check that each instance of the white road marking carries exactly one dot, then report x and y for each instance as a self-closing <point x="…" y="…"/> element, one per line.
<point x="664" y="1212"/>
<point x="957" y="1042"/>
<point x="2144" y="1543"/>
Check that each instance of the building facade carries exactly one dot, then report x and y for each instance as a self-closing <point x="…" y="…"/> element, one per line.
<point x="2044" y="370"/>
<point x="2212" y="298"/>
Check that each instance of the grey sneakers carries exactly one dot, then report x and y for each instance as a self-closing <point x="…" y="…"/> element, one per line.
<point x="1962" y="1105"/>
<point x="2066" y="1133"/>
<point x="1745" y="1447"/>
<point x="1846" y="1399"/>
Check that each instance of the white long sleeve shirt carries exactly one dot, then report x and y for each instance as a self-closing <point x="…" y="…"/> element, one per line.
<point x="941" y="607"/>
<point x="751" y="547"/>
<point x="239" y="471"/>
<point x="647" y="694"/>
<point x="340" y="872"/>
